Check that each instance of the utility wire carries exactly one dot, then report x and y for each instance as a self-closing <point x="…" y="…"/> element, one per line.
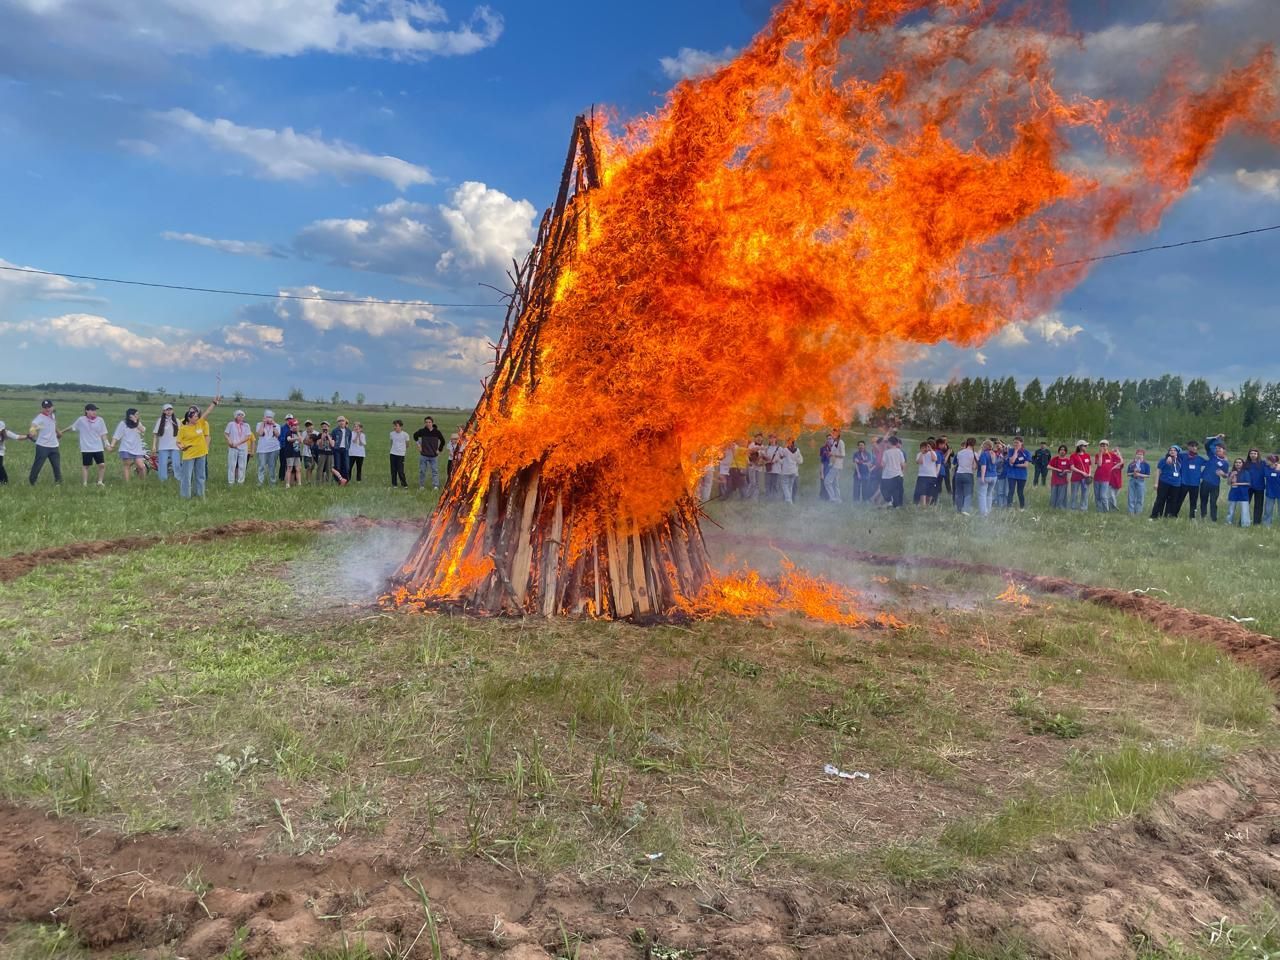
<point x="1152" y="249"/>
<point x="425" y="303"/>
<point x="241" y="293"/>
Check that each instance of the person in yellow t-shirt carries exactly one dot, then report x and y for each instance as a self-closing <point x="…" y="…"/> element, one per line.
<point x="193" y="441"/>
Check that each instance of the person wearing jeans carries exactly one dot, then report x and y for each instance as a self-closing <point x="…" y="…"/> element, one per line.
<point x="1193" y="470"/>
<point x="966" y="465"/>
<point x="1081" y="476"/>
<point x="164" y="443"/>
<point x="1238" y="497"/>
<point x="1272" y="481"/>
<point x="430" y="442"/>
<point x="342" y="448"/>
<point x="1016" y="474"/>
<point x="44" y="431"/>
<point x="268" y="432"/>
<point x="986" y="478"/>
<point x="193" y="441"/>
<point x="1139" y="471"/>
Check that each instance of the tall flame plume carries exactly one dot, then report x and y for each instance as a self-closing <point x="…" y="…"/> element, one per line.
<point x="866" y="175"/>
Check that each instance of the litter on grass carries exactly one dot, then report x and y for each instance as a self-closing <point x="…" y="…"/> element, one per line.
<point x="1244" y="619"/>
<point x="831" y="770"/>
<point x="653" y="856"/>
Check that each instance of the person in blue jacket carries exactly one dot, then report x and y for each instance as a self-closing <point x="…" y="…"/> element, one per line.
<point x="1001" y="453"/>
<point x="1211" y="483"/>
<point x="1256" y="469"/>
<point x="1193" y="467"/>
<point x="1168" y="484"/>
<point x="1016" y="474"/>
<point x="1272" y="479"/>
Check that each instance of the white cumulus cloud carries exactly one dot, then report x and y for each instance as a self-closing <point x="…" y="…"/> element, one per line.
<point x="289" y="155"/>
<point x="1048" y="327"/>
<point x="1260" y="181"/>
<point x="690" y="62"/>
<point x="240" y="248"/>
<point x="254" y="335"/>
<point x="85" y="331"/>
<point x="17" y="285"/>
<point x="405" y="28"/>
<point x="370" y="315"/>
<point x="474" y="235"/>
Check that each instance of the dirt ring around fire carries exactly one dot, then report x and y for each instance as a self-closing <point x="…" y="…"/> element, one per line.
<point x="1254" y="649"/>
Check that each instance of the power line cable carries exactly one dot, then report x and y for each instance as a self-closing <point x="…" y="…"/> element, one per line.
<point x="240" y="293"/>
<point x="1151" y="249"/>
<point x="425" y="303"/>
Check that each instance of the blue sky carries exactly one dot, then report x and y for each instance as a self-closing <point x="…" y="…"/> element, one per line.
<point x="402" y="149"/>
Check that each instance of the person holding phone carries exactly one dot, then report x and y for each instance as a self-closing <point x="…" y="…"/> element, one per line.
<point x="1139" y="472"/>
<point x="1168" y="484"/>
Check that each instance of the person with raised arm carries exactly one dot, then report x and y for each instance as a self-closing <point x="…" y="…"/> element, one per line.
<point x="1211" y="483"/>
<point x="130" y="435"/>
<point x="193" y="442"/>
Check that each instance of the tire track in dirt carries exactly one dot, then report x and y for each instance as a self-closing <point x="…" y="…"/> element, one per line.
<point x="1211" y="850"/>
<point x="1256" y="650"/>
<point x="20" y="564"/>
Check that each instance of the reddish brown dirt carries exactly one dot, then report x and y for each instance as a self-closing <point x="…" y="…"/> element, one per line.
<point x="20" y="564"/>
<point x="1254" y="649"/>
<point x="1209" y="851"/>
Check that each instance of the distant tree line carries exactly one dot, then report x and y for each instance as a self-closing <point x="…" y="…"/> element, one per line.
<point x="1164" y="410"/>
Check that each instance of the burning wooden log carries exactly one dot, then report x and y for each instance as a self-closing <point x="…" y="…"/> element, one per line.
<point x="525" y="543"/>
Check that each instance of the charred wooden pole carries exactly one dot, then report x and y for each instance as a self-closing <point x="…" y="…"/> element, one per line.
<point x="526" y="544"/>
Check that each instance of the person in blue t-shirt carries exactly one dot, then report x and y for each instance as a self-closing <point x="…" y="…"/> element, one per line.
<point x="1256" y="470"/>
<point x="1015" y="472"/>
<point x="1139" y="471"/>
<point x="1168" y="484"/>
<point x="1193" y="467"/>
<point x="1211" y="483"/>
<point x="1238" y="495"/>
<point x="1271" y="477"/>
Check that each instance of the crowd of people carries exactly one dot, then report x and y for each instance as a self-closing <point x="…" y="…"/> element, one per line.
<point x="993" y="474"/>
<point x="283" y="451"/>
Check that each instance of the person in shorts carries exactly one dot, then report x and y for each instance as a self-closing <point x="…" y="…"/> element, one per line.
<point x="92" y="431"/>
<point x="130" y="435"/>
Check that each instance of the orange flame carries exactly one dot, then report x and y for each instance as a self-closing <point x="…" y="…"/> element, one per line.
<point x="748" y="594"/>
<point x="1015" y="595"/>
<point x="857" y="179"/>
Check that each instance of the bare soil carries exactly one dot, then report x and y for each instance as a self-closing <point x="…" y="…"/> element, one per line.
<point x="1248" y="647"/>
<point x="1212" y="850"/>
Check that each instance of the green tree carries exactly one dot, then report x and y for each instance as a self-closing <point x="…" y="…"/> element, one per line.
<point x="360" y="399"/>
<point x="295" y="394"/>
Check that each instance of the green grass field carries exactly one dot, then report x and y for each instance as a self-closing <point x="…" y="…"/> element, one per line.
<point x="253" y="685"/>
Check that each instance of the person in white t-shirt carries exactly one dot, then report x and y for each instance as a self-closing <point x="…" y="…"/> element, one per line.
<point x="92" y="430"/>
<point x="771" y="458"/>
<point x="45" y="433"/>
<point x="130" y="434"/>
<point x="789" y="460"/>
<point x="164" y="443"/>
<point x="268" y="432"/>
<point x="238" y="435"/>
<point x="835" y="465"/>
<point x="6" y="434"/>
<point x="892" y="464"/>
<point x="359" y="443"/>
<point x="399" y="448"/>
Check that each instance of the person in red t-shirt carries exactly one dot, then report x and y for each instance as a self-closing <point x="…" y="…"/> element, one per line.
<point x="1081" y="476"/>
<point x="1103" y="494"/>
<point x="1059" y="478"/>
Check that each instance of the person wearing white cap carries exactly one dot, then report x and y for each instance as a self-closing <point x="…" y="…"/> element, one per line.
<point x="268" y="433"/>
<point x="238" y="434"/>
<point x="164" y="443"/>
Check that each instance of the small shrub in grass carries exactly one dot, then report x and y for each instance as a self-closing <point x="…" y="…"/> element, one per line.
<point x="1040" y="719"/>
<point x="835" y="717"/>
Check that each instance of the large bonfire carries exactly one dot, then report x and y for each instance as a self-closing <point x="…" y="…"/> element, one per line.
<point x="866" y="175"/>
